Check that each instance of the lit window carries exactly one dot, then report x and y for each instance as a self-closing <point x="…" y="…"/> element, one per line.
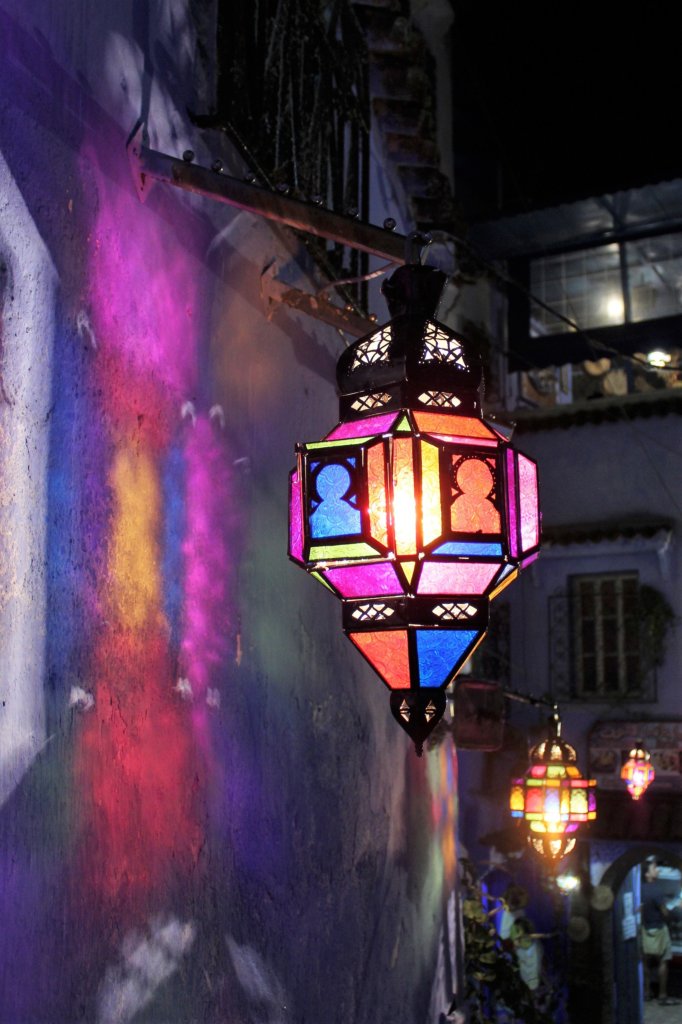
<point x="606" y="635"/>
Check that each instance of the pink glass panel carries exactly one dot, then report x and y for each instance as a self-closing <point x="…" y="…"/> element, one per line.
<point x="456" y="578"/>
<point x="511" y="505"/>
<point x="376" y="492"/>
<point x="295" y="518"/>
<point x="528" y="493"/>
<point x="472" y="510"/>
<point x="404" y="503"/>
<point x="378" y="578"/>
<point x="454" y="426"/>
<point x="527" y="561"/>
<point x="387" y="653"/>
<point x="363" y="428"/>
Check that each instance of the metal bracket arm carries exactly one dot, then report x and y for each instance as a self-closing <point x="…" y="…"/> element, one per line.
<point x="149" y="166"/>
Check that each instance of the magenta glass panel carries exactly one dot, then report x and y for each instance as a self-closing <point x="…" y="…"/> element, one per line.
<point x="528" y="493"/>
<point x="511" y="505"/>
<point x="363" y="428"/>
<point x="527" y="561"/>
<point x="295" y="518"/>
<point x="456" y="578"/>
<point x="365" y="580"/>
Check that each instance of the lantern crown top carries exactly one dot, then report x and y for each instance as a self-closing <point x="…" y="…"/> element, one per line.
<point x="553" y="750"/>
<point x="639" y="752"/>
<point x="414" y="289"/>
<point x="413" y="355"/>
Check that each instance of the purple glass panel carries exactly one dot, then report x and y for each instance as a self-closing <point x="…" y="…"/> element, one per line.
<point x="365" y="580"/>
<point x="511" y="505"/>
<point x="456" y="578"/>
<point x="295" y="518"/>
<point x="363" y="428"/>
<point x="528" y="493"/>
<point x="527" y="561"/>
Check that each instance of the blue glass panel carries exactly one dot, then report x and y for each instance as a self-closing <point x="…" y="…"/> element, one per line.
<point x="336" y="514"/>
<point x="439" y="650"/>
<point x="455" y="547"/>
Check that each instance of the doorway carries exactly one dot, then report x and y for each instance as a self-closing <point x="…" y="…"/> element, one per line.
<point x="625" y="877"/>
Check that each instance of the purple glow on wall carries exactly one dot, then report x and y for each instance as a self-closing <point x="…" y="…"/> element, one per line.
<point x="207" y="626"/>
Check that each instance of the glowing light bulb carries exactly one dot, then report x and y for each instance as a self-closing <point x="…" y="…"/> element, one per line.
<point x="615" y="309"/>
<point x="658" y="358"/>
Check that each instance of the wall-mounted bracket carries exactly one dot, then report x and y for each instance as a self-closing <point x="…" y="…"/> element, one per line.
<point x="149" y="166"/>
<point x="318" y="306"/>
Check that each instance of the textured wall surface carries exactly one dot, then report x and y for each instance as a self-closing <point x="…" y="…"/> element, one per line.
<point x="206" y="811"/>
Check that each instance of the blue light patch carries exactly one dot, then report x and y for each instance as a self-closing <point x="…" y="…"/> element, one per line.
<point x="440" y="650"/>
<point x="465" y="547"/>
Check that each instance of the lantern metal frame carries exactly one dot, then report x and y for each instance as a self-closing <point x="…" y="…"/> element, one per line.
<point x="567" y="798"/>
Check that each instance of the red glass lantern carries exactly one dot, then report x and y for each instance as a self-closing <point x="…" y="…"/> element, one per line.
<point x="413" y="510"/>
<point x="638" y="773"/>
<point x="553" y="797"/>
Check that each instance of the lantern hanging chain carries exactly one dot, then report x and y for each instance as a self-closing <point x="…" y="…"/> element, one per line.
<point x="356" y="280"/>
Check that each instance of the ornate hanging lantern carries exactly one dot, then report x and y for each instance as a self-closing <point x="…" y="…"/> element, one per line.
<point x="553" y="797"/>
<point x="413" y="510"/>
<point x="638" y="773"/>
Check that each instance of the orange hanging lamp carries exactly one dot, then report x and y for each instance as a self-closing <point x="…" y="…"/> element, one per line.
<point x="638" y="773"/>
<point x="553" y="797"/>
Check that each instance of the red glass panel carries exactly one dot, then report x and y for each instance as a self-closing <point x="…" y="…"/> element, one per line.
<point x="387" y="653"/>
<point x="376" y="492"/>
<point x="456" y="577"/>
<point x="528" y="494"/>
<point x="295" y="518"/>
<point x="535" y="800"/>
<point x="453" y="426"/>
<point x="404" y="504"/>
<point x="472" y="510"/>
<point x="378" y="578"/>
<point x="363" y="428"/>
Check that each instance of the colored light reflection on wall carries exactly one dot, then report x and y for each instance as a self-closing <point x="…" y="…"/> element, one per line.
<point x="442" y="777"/>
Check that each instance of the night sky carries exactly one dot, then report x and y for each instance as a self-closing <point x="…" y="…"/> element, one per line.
<point x="554" y="103"/>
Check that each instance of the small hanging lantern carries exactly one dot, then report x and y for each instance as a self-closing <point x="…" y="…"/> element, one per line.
<point x="553" y="797"/>
<point x="638" y="773"/>
<point x="413" y="510"/>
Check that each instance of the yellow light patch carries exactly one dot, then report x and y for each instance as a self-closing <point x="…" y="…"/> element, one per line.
<point x="135" y="579"/>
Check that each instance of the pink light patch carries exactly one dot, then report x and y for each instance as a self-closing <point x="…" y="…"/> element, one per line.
<point x="528" y="492"/>
<point x="456" y="578"/>
<point x="379" y="578"/>
<point x="511" y="506"/>
<point x="295" y="518"/>
<point x="363" y="428"/>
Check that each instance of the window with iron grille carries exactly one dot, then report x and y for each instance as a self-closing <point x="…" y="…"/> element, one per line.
<point x="606" y="635"/>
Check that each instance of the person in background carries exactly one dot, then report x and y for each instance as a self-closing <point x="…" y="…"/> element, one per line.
<point x="656" y="945"/>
